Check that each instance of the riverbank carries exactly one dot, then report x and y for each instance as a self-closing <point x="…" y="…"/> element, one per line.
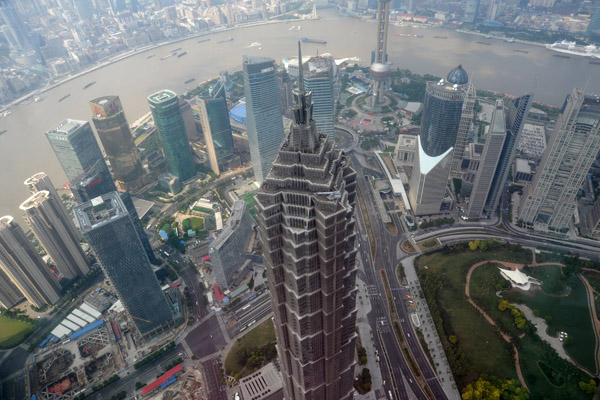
<point x="503" y="38"/>
<point x="133" y="52"/>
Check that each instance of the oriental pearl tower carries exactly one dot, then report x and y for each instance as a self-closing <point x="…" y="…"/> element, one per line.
<point x="380" y="69"/>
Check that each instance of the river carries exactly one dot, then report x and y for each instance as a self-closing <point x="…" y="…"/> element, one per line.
<point x="24" y="149"/>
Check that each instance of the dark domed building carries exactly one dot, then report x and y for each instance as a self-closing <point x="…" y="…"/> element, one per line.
<point x="442" y="110"/>
<point x="458" y="76"/>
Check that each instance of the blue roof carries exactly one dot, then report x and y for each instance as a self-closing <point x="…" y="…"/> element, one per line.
<point x="238" y="113"/>
<point x="87" y="329"/>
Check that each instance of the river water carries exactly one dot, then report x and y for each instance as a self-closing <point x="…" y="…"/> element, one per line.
<point x="24" y="149"/>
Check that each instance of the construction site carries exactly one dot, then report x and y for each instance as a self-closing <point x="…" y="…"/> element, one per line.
<point x="65" y="369"/>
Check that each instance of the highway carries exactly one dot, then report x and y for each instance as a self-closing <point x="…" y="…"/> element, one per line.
<point x="146" y="374"/>
<point x="213" y="381"/>
<point x="259" y="308"/>
<point x="191" y="279"/>
<point x="395" y="371"/>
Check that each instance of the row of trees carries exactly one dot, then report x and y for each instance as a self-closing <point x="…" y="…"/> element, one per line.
<point x="432" y="282"/>
<point x="154" y="355"/>
<point x="363" y="381"/>
<point x="518" y="315"/>
<point x="489" y="387"/>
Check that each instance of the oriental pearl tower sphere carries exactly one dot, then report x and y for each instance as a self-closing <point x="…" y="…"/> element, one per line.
<point x="380" y="69"/>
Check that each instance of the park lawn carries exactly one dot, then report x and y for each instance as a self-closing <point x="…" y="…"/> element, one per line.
<point x="569" y="313"/>
<point x="249" y="199"/>
<point x="465" y="259"/>
<point x="196" y="223"/>
<point x="532" y="350"/>
<point x="554" y="282"/>
<point x="483" y="292"/>
<point x="259" y="336"/>
<point x="483" y="346"/>
<point x="12" y="331"/>
<point x="485" y="349"/>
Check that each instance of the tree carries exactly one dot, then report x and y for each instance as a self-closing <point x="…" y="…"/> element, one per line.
<point x="453" y="339"/>
<point x="503" y="305"/>
<point x="474" y="245"/>
<point x="588" y="387"/>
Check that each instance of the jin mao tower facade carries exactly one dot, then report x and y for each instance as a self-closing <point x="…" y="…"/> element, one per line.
<point x="306" y="221"/>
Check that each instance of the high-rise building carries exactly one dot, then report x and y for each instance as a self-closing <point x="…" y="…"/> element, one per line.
<point x="15" y="30"/>
<point x="188" y="120"/>
<point x="229" y="249"/>
<point x="319" y="74"/>
<point x="593" y="29"/>
<point x="171" y="130"/>
<point x="76" y="148"/>
<point x="442" y="111"/>
<point x="515" y="116"/>
<point x="263" y="119"/>
<point x="41" y="181"/>
<point x="78" y="152"/>
<point x="84" y="9"/>
<point x="551" y="199"/>
<point x="380" y="69"/>
<point x="464" y="127"/>
<point x="590" y="220"/>
<point x="471" y="11"/>
<point x="23" y="265"/>
<point x="55" y="234"/>
<point x="214" y="117"/>
<point x="10" y="295"/>
<point x="115" y="135"/>
<point x="428" y="180"/>
<point x="493" y="9"/>
<point x="107" y="226"/>
<point x="286" y="97"/>
<point x="305" y="210"/>
<point x="489" y="162"/>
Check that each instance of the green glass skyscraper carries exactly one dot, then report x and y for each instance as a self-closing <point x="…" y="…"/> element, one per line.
<point x="171" y="130"/>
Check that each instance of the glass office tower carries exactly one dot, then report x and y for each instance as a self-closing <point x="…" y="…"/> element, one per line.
<point x="107" y="226"/>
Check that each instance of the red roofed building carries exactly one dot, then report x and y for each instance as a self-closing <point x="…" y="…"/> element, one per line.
<point x="165" y="377"/>
<point x="218" y="295"/>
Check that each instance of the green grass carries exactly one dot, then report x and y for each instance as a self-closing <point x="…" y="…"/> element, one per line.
<point x="13" y="332"/>
<point x="594" y="280"/>
<point x="532" y="351"/>
<point x="483" y="292"/>
<point x="484" y="348"/>
<point x="570" y="313"/>
<point x="193" y="223"/>
<point x="249" y="198"/>
<point x="258" y="337"/>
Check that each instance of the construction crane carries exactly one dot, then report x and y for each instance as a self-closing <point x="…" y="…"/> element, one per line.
<point x="138" y="318"/>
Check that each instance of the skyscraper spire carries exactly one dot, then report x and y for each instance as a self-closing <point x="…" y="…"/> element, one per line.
<point x="303" y="134"/>
<point x="300" y="69"/>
